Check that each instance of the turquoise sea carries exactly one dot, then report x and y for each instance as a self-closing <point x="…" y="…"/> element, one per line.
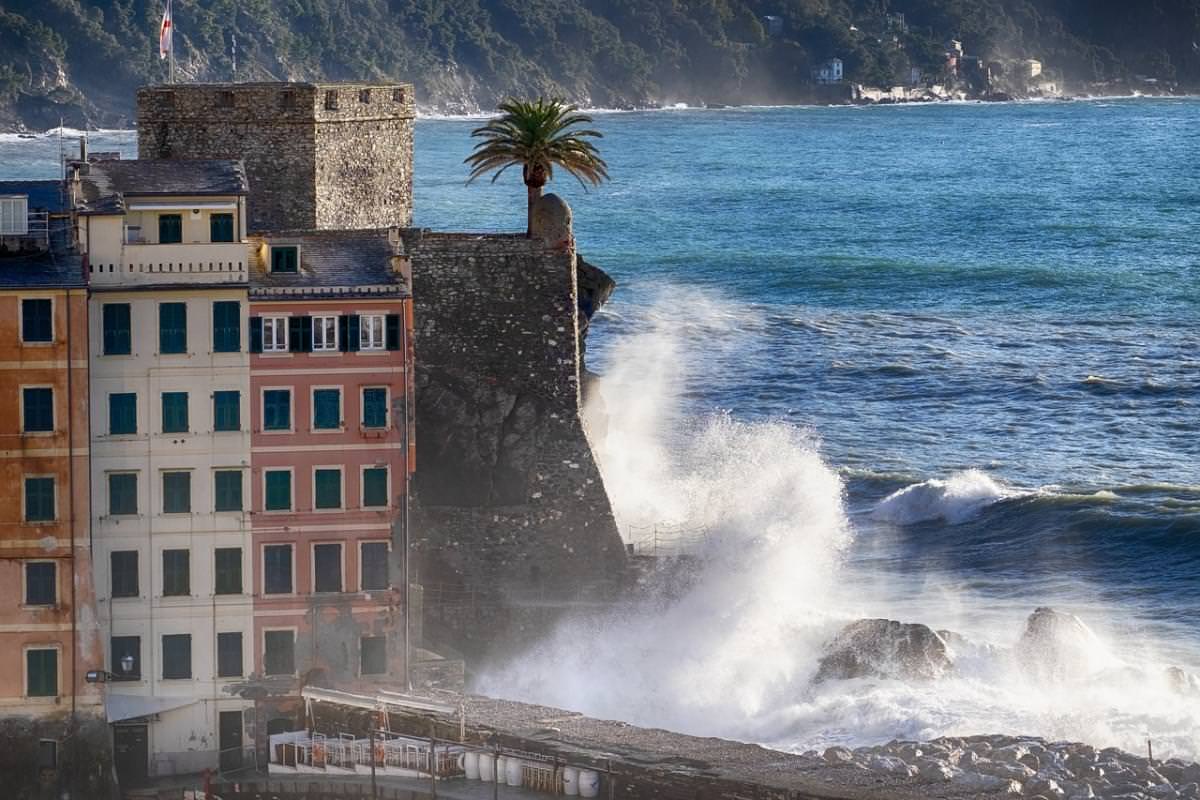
<point x="937" y="363"/>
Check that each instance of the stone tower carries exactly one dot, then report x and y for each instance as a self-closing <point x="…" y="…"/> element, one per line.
<point x="318" y="155"/>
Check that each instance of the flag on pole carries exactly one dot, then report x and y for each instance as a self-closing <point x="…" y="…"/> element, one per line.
<point x="164" y="33"/>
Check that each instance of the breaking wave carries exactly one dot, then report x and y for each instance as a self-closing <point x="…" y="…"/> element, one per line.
<point x="954" y="500"/>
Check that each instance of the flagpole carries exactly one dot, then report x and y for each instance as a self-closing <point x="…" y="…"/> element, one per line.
<point x="172" y="48"/>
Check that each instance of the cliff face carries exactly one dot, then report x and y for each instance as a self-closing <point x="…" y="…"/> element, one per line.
<point x="510" y="518"/>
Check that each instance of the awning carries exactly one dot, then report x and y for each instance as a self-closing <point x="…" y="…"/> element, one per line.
<point x="128" y="706"/>
<point x="184" y="205"/>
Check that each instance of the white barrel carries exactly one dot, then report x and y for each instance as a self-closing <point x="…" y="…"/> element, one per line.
<point x="589" y="783"/>
<point x="513" y="769"/>
<point x="487" y="767"/>
<point x="471" y="765"/>
<point x="570" y="781"/>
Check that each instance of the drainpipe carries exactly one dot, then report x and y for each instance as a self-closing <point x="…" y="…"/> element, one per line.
<point x="71" y="557"/>
<point x="408" y="388"/>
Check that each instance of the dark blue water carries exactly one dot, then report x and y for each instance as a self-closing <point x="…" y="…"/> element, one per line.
<point x="984" y="317"/>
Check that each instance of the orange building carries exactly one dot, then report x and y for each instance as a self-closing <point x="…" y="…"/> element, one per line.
<point x="49" y="635"/>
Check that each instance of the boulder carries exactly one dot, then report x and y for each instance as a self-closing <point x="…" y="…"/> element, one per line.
<point x="550" y="220"/>
<point x="885" y="648"/>
<point x="1056" y="646"/>
<point x="838" y="755"/>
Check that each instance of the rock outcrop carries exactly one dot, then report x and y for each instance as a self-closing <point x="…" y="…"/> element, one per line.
<point x="1056" y="646"/>
<point x="886" y="649"/>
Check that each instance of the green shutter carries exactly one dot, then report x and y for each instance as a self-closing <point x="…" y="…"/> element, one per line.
<point x="278" y="491"/>
<point x="374" y="411"/>
<point x="284" y="259"/>
<point x="177" y="576"/>
<point x="40" y="579"/>
<point x="227" y="411"/>
<point x="277" y="410"/>
<point x="36" y="322"/>
<point x="375" y="487"/>
<point x="38" y="410"/>
<point x="228" y="483"/>
<point x="220" y="227"/>
<point x="175" y="412"/>
<point x="256" y="334"/>
<point x="227" y="326"/>
<point x="123" y="573"/>
<point x="229" y="654"/>
<point x="177" y="656"/>
<point x="177" y="492"/>
<point x="122" y="493"/>
<point x="229" y="570"/>
<point x="172" y="328"/>
<point x="117" y="338"/>
<point x="373" y="565"/>
<point x="328" y="488"/>
<point x="277" y="569"/>
<point x="392" y="326"/>
<point x="41" y="668"/>
<point x="122" y="414"/>
<point x="327" y="409"/>
<point x="39" y="499"/>
<point x="170" y="228"/>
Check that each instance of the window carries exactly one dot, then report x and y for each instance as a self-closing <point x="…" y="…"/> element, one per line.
<point x="224" y="99"/>
<point x="227" y="411"/>
<point x="122" y="414"/>
<point x="176" y="656"/>
<point x="277" y="569"/>
<point x="277" y="490"/>
<point x="285" y="258"/>
<point x="327" y="409"/>
<point x="373" y="652"/>
<point x="177" y="492"/>
<point x="228" y="565"/>
<point x="300" y="334"/>
<point x="375" y="487"/>
<point x="117" y="336"/>
<point x="123" y="648"/>
<point x="172" y="328"/>
<point x="124" y="573"/>
<point x="325" y="330"/>
<point x="327" y="488"/>
<point x="41" y="579"/>
<point x="364" y="95"/>
<point x="229" y="655"/>
<point x="39" y="500"/>
<point x="38" y="409"/>
<point x="397" y="95"/>
<point x="41" y="673"/>
<point x="227" y="484"/>
<point x="373" y="566"/>
<point x="327" y="567"/>
<point x="279" y="652"/>
<point x="372" y="334"/>
<point x="177" y="573"/>
<point x="331" y="99"/>
<point x="227" y="326"/>
<point x="392" y="331"/>
<point x="47" y="754"/>
<point x="170" y="228"/>
<point x="287" y="100"/>
<point x="122" y="493"/>
<point x="275" y="334"/>
<point x="277" y="409"/>
<point x="220" y="227"/>
<point x="374" y="407"/>
<point x="37" y="322"/>
<point x="175" y="412"/>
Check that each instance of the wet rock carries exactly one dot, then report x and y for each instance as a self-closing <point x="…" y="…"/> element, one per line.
<point x="1190" y="774"/>
<point x="1046" y="788"/>
<point x="978" y="782"/>
<point x="838" y="755"/>
<point x="1056" y="646"/>
<point x="935" y="773"/>
<point x="891" y="765"/>
<point x="887" y="649"/>
<point x="1001" y="769"/>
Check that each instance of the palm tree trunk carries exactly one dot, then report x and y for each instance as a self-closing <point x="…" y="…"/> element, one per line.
<point x="535" y="194"/>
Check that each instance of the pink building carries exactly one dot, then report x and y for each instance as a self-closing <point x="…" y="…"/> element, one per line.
<point x="331" y="456"/>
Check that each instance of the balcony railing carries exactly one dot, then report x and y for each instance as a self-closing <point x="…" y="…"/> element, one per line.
<point x="174" y="263"/>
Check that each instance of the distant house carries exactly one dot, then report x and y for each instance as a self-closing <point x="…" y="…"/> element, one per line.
<point x="954" y="47"/>
<point x="773" y="25"/>
<point x="1031" y="68"/>
<point x="914" y="76"/>
<point x="828" y="72"/>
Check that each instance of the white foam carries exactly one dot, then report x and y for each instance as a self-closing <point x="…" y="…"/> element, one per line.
<point x="958" y="498"/>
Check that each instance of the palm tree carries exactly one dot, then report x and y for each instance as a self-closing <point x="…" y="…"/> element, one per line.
<point x="537" y="136"/>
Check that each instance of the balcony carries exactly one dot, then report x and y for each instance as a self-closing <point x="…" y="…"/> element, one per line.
<point x="146" y="264"/>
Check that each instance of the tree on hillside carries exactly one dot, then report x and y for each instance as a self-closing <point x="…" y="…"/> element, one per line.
<point x="537" y="135"/>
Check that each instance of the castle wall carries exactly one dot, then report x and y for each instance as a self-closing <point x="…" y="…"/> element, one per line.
<point x="510" y="511"/>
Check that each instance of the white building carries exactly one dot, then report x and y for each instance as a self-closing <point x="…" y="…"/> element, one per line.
<point x="170" y="441"/>
<point x="829" y="72"/>
<point x="1031" y="68"/>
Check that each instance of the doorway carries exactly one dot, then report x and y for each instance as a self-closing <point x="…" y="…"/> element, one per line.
<point x="230" y="738"/>
<point x="131" y="755"/>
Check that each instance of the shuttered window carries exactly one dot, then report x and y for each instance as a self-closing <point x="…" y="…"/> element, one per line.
<point x="227" y="561"/>
<point x="37" y="325"/>
<point x="373" y="655"/>
<point x="175" y="412"/>
<point x="227" y="485"/>
<point x="229" y="655"/>
<point x="327" y="568"/>
<point x="172" y="328"/>
<point x="177" y="492"/>
<point x="374" y="407"/>
<point x="177" y="573"/>
<point x="227" y="326"/>
<point x="117" y="335"/>
<point x="39" y="499"/>
<point x="327" y="489"/>
<point x="122" y="493"/>
<point x="227" y="411"/>
<point x="170" y="228"/>
<point x="373" y="566"/>
<point x="277" y="569"/>
<point x="177" y="656"/>
<point x="279" y="652"/>
<point x="37" y="410"/>
<point x="285" y="258"/>
<point x="375" y="487"/>
<point x="220" y="227"/>
<point x="41" y="583"/>
<point x="277" y="409"/>
<point x="124" y="573"/>
<point x="327" y="409"/>
<point x="122" y="414"/>
<point x="41" y="673"/>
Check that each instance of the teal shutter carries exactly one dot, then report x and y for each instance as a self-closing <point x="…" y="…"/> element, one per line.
<point x="39" y="499"/>
<point x="122" y="493"/>
<point x="227" y="411"/>
<point x="117" y="336"/>
<point x="122" y="414"/>
<point x="123" y="573"/>
<point x="374" y="411"/>
<point x="256" y="334"/>
<point x="170" y="228"/>
<point x="228" y="485"/>
<point x="392" y="326"/>
<point x="41" y="669"/>
<point x="277" y="569"/>
<point x="177" y="492"/>
<point x="38" y="410"/>
<point x="227" y="326"/>
<point x="220" y="227"/>
<point x="327" y="409"/>
<point x="172" y="328"/>
<point x="353" y="337"/>
<point x="373" y="565"/>
<point x="175" y="412"/>
<point x="229" y="570"/>
<point x="277" y="410"/>
<point x="177" y="573"/>
<point x="375" y="487"/>
<point x="278" y="491"/>
<point x="36" y="322"/>
<point x="328" y="489"/>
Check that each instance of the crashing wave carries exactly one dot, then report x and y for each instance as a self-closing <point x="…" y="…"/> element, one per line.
<point x="954" y="500"/>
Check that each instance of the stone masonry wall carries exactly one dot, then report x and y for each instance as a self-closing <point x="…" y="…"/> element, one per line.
<point x="330" y="156"/>
<point x="510" y="515"/>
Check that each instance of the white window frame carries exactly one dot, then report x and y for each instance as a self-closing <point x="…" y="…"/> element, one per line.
<point x="262" y="409"/>
<point x="362" y="486"/>
<point x="242" y="474"/>
<point x="162" y="491"/>
<point x="25" y="511"/>
<point x="263" y="569"/>
<point x="312" y="559"/>
<point x="295" y="638"/>
<point x="291" y="499"/>
<point x="365" y="341"/>
<point x="274" y="324"/>
<point x="341" y="468"/>
<point x="271" y="257"/>
<point x="320" y="342"/>
<point x="25" y="582"/>
<point x="25" y="672"/>
<point x="361" y="542"/>
<point x="21" y="320"/>
<point x="312" y="409"/>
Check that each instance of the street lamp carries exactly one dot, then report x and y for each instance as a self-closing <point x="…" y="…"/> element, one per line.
<point x="104" y="676"/>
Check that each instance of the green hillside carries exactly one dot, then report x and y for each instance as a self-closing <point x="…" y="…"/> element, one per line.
<point x="83" y="58"/>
